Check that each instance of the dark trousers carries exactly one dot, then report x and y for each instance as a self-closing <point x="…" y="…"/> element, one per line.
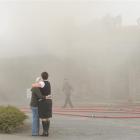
<point x="68" y="101"/>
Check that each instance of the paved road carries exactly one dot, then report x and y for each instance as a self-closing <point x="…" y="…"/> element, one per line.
<point x="82" y="128"/>
<point x="113" y="112"/>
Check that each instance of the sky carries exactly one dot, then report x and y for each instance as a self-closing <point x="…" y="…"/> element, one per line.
<point x="56" y="27"/>
<point x="24" y="23"/>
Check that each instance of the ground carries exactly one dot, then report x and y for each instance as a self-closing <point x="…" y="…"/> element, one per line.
<point x="82" y="128"/>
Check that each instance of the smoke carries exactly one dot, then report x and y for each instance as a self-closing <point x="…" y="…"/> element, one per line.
<point x="95" y="45"/>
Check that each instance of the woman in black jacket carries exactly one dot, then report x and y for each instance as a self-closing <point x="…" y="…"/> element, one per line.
<point x="45" y="105"/>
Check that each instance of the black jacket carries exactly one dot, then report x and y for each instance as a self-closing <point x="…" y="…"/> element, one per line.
<point x="36" y="95"/>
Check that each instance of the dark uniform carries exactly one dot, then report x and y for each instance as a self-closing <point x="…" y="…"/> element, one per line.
<point x="45" y="105"/>
<point x="67" y="89"/>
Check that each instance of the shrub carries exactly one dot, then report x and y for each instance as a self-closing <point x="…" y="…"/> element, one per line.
<point x="11" y="118"/>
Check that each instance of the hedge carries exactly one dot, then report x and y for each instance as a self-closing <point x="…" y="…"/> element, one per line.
<point x="11" y="118"/>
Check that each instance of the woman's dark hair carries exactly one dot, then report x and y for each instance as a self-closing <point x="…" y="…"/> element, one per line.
<point x="44" y="75"/>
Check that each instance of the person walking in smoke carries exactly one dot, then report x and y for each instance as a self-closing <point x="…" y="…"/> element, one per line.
<point x="45" y="105"/>
<point x="67" y="89"/>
